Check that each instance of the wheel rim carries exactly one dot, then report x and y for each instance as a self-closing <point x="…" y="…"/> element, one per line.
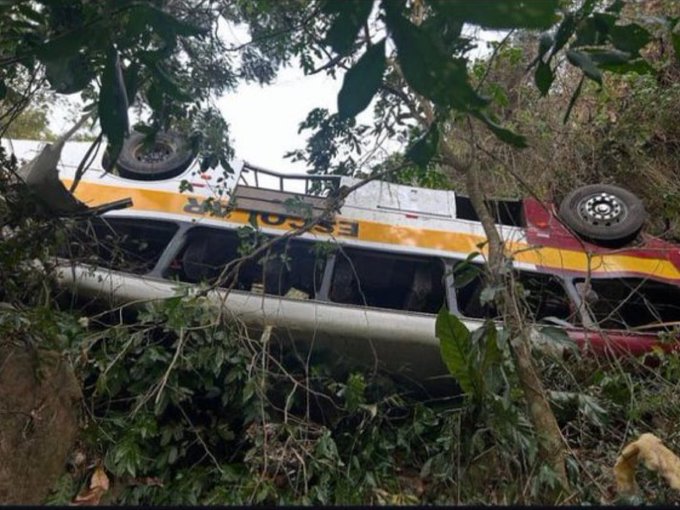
<point x="156" y="153"/>
<point x="602" y="209"/>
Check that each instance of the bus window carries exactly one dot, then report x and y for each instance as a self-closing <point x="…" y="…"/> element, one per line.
<point x="544" y="296"/>
<point x="630" y="302"/>
<point x="468" y="293"/>
<point x="289" y="264"/>
<point x="292" y="265"/>
<point x="387" y="280"/>
<point x="132" y="245"/>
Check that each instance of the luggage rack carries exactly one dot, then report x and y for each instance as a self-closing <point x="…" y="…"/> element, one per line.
<point x="305" y="184"/>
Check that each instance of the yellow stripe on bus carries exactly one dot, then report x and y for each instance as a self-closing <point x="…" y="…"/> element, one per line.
<point x="370" y="231"/>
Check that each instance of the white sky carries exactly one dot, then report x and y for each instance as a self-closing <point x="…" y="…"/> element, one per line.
<point x="264" y="120"/>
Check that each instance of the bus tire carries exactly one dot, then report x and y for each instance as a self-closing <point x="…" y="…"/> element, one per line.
<point x="603" y="213"/>
<point x="169" y="156"/>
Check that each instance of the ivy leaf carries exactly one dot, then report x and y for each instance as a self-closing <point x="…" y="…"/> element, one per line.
<point x="585" y="63"/>
<point x="454" y="342"/>
<point x="362" y="81"/>
<point x="425" y="147"/>
<point x="430" y="70"/>
<point x="351" y="15"/>
<point x="544" y="77"/>
<point x="501" y="13"/>
<point x="113" y="105"/>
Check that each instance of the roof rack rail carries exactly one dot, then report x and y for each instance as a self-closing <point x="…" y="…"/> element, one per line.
<point x="258" y="177"/>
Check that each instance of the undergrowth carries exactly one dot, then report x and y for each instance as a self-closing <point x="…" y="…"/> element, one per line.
<point x="182" y="408"/>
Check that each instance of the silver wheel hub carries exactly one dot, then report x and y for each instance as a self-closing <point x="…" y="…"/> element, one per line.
<point x="155" y="154"/>
<point x="602" y="209"/>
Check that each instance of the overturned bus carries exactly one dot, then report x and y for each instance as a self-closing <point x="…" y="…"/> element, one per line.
<point x="369" y="277"/>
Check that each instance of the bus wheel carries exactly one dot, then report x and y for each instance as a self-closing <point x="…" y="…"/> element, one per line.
<point x="603" y="213"/>
<point x="167" y="156"/>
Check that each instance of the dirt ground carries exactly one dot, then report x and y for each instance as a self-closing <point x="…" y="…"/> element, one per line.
<point x="38" y="421"/>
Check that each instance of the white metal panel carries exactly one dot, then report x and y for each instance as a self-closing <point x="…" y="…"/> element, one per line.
<point x="73" y="153"/>
<point x="406" y="199"/>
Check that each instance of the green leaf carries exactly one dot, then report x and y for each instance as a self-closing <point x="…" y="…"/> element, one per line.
<point x="615" y="6"/>
<point x="544" y="44"/>
<point x="64" y="45"/>
<point x="492" y="354"/>
<point x="169" y="85"/>
<point x="113" y="105"/>
<point x="502" y="133"/>
<point x="430" y="70"/>
<point x="619" y="62"/>
<point x="488" y="294"/>
<point x="350" y="16"/>
<point x="544" y="77"/>
<point x="362" y="82"/>
<point x="163" y="22"/>
<point x="501" y="13"/>
<point x="594" y="31"/>
<point x="630" y="38"/>
<point x="3" y="89"/>
<point x="585" y="63"/>
<point x="675" y="39"/>
<point x="68" y="75"/>
<point x="454" y="342"/>
<point x="425" y="147"/>
<point x="464" y="273"/>
<point x="131" y="77"/>
<point x="573" y="99"/>
<point x="559" y="336"/>
<point x="564" y="32"/>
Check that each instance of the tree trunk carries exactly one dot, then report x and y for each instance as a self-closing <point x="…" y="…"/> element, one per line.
<point x="551" y="445"/>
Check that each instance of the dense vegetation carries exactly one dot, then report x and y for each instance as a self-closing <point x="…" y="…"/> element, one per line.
<point x="180" y="406"/>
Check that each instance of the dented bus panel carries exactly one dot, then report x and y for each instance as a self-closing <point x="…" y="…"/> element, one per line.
<point x="367" y="280"/>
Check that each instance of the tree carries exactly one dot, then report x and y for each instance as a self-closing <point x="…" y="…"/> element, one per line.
<point x="411" y="58"/>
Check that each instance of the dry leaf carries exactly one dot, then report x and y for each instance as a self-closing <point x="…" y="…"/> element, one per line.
<point x="655" y="456"/>
<point x="99" y="484"/>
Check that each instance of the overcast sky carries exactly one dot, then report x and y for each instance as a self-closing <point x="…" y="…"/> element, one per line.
<point x="264" y="120"/>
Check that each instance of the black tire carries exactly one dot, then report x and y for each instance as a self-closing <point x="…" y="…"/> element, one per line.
<point x="603" y="213"/>
<point x="169" y="156"/>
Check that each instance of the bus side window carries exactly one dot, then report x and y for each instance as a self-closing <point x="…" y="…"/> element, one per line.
<point x="468" y="291"/>
<point x="387" y="280"/>
<point x="620" y="303"/>
<point x="123" y="244"/>
<point x="544" y="295"/>
<point x="286" y="265"/>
